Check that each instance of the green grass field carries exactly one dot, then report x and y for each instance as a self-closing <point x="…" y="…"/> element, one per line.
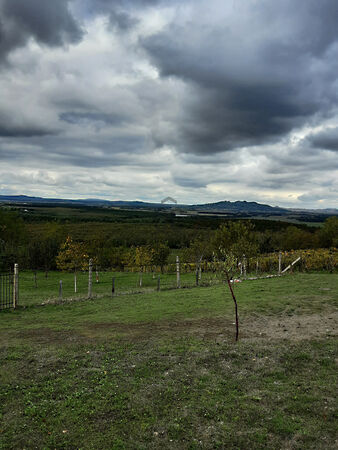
<point x="47" y="289"/>
<point x="162" y="370"/>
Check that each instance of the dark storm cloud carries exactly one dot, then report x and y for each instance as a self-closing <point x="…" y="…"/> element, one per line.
<point x="15" y="131"/>
<point x="239" y="116"/>
<point x="10" y="127"/>
<point x="119" y="12"/>
<point x="255" y="74"/>
<point x="109" y="5"/>
<point x="6" y="131"/>
<point x="91" y="153"/>
<point x="122" y="20"/>
<point x="48" y="22"/>
<point x="327" y="139"/>
<point x="91" y="118"/>
<point x="196" y="97"/>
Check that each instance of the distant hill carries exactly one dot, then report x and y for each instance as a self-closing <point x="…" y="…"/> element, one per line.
<point x="240" y="207"/>
<point x="222" y="207"/>
<point x="24" y="199"/>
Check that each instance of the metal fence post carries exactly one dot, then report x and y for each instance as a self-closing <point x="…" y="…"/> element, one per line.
<point x="159" y="283"/>
<point x="16" y="286"/>
<point x="113" y="287"/>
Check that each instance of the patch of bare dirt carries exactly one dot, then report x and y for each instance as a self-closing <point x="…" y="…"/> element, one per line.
<point x="296" y="327"/>
<point x="205" y="327"/>
<point x="47" y="335"/>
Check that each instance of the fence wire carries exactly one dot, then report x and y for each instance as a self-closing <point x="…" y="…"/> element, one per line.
<point x="6" y="290"/>
<point x="41" y="287"/>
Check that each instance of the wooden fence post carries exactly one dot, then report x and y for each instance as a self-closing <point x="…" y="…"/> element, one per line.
<point x="178" y="278"/>
<point x="244" y="266"/>
<point x="158" y="283"/>
<point x="16" y="286"/>
<point x="97" y="275"/>
<point x="90" y="278"/>
<point x="60" y="290"/>
<point x="75" y="282"/>
<point x="280" y="263"/>
<point x="197" y="275"/>
<point x="290" y="266"/>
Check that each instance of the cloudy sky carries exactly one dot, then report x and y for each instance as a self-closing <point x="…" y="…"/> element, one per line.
<point x="202" y="100"/>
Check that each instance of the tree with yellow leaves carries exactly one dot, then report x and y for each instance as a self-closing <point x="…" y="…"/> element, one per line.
<point x="72" y="257"/>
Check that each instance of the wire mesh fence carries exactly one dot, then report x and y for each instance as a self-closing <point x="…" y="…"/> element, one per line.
<point x="37" y="288"/>
<point x="40" y="287"/>
<point x="6" y="290"/>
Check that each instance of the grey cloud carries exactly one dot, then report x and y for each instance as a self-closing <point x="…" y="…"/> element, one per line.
<point x="300" y="162"/>
<point x="24" y="131"/>
<point x="19" y="127"/>
<point x="122" y="20"/>
<point x="88" y="152"/>
<point x="318" y="194"/>
<point x="310" y="197"/>
<point x="91" y="118"/>
<point x="121" y="13"/>
<point x="109" y="5"/>
<point x="248" y="87"/>
<point x="220" y="120"/>
<point x="48" y="22"/>
<point x="189" y="182"/>
<point x="232" y="75"/>
<point x="326" y="139"/>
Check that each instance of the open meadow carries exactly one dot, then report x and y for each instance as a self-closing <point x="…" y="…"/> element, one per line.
<point x="162" y="369"/>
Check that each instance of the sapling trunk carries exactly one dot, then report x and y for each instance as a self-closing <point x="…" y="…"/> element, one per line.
<point x="235" y="301"/>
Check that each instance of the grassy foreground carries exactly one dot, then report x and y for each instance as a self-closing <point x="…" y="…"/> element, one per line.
<point x="163" y="370"/>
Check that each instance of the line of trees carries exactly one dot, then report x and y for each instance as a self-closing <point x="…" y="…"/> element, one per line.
<point x="54" y="249"/>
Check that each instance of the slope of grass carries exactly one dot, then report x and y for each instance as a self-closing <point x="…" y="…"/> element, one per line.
<point x="163" y="370"/>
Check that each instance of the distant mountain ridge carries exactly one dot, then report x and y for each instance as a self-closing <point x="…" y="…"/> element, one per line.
<point x="25" y="199"/>
<point x="225" y="206"/>
<point x="239" y="206"/>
